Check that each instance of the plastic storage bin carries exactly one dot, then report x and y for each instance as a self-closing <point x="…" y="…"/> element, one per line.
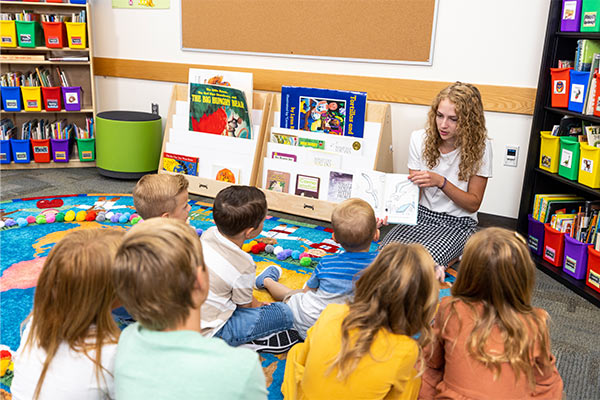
<point x="77" y="1"/>
<point x="11" y="98"/>
<point x="554" y="245"/>
<point x="8" y="34"/>
<point x="55" y="34"/>
<point x="41" y="150"/>
<point x="72" y="98"/>
<point x="32" y="98"/>
<point x="560" y="86"/>
<point x="29" y="34"/>
<point x="576" y="256"/>
<point x="589" y="166"/>
<point x="21" y="150"/>
<point x="592" y="277"/>
<point x="535" y="235"/>
<point x="51" y="96"/>
<point x="570" y="16"/>
<point x="60" y="150"/>
<point x="5" y="155"/>
<point x="86" y="149"/>
<point x="76" y="35"/>
<point x="569" y="158"/>
<point x="578" y="89"/>
<point x="590" y="14"/>
<point x="549" y="152"/>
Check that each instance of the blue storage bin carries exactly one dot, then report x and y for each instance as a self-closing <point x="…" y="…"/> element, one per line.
<point x="11" y="98"/>
<point x="21" y="150"/>
<point x="578" y="89"/>
<point x="77" y="1"/>
<point x="5" y="155"/>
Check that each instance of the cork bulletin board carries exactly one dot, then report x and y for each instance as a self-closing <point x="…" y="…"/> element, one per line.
<point x="396" y="31"/>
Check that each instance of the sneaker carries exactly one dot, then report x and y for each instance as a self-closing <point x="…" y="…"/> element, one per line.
<point x="277" y="343"/>
<point x="272" y="271"/>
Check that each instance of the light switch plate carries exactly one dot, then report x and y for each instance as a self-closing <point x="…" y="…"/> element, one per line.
<point x="511" y="155"/>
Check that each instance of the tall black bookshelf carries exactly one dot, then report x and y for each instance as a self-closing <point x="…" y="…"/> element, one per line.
<point x="557" y="46"/>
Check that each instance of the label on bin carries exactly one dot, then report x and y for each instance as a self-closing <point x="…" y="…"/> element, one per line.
<point x="53" y="40"/>
<point x="569" y="10"/>
<point x="560" y="86"/>
<point x="40" y="149"/>
<point x="52" y="103"/>
<point x="533" y="242"/>
<point x="72" y="98"/>
<point x="7" y="39"/>
<point x="87" y="155"/>
<point x="76" y="40"/>
<point x="570" y="264"/>
<point x="577" y="91"/>
<point x="594" y="279"/>
<point x="11" y="103"/>
<point x="32" y="103"/>
<point x="566" y="157"/>
<point x="21" y="156"/>
<point x="3" y="157"/>
<point x="550" y="253"/>
<point x="60" y="155"/>
<point x="587" y="165"/>
<point x="25" y="38"/>
<point x="589" y="19"/>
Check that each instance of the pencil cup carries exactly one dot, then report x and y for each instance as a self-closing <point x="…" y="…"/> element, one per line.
<point x="51" y="97"/>
<point x="560" y="87"/>
<point x="592" y="277"/>
<point x="41" y="150"/>
<point x="8" y="34"/>
<point x="5" y="155"/>
<point x="29" y="33"/>
<point x="589" y="166"/>
<point x="570" y="16"/>
<point x="21" y="150"/>
<point x="549" y="152"/>
<point x="576" y="257"/>
<point x="60" y="150"/>
<point x="76" y="35"/>
<point x="569" y="158"/>
<point x="32" y="98"/>
<point x="535" y="235"/>
<point x="72" y="98"/>
<point x="11" y="98"/>
<point x="86" y="149"/>
<point x="554" y="245"/>
<point x="55" y="34"/>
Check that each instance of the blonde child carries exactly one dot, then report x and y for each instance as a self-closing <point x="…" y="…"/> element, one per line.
<point x="490" y="342"/>
<point x="364" y="349"/>
<point x="162" y="195"/>
<point x="68" y="347"/>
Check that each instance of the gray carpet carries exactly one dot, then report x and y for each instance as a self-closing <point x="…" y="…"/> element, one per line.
<point x="575" y="326"/>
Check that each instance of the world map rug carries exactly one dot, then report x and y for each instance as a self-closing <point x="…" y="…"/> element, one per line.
<point x="29" y="228"/>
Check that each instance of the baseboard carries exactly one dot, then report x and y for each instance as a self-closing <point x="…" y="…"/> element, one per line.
<point x="488" y="220"/>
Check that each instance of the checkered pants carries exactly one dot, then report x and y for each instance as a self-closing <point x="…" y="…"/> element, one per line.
<point x="442" y="234"/>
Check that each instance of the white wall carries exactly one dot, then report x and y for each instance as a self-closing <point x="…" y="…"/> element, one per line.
<point x="481" y="42"/>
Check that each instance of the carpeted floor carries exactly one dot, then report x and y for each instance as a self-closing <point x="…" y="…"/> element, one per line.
<point x="574" y="329"/>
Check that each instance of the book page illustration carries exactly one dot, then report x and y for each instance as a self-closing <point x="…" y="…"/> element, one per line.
<point x="340" y="186"/>
<point x="401" y="201"/>
<point x="226" y="174"/>
<point x="369" y="185"/>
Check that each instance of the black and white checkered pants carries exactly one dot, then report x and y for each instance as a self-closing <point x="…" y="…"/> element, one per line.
<point x="442" y="234"/>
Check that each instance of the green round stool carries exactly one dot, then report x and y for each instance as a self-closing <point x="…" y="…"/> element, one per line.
<point x="128" y="143"/>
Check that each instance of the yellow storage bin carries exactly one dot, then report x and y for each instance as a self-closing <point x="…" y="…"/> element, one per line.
<point x="76" y="34"/>
<point x="8" y="34"/>
<point x="32" y="98"/>
<point x="549" y="152"/>
<point x="589" y="166"/>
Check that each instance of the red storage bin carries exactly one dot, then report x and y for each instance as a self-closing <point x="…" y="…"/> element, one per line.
<point x="561" y="82"/>
<point x="554" y="246"/>
<point x="41" y="150"/>
<point x="52" y="96"/>
<point x="55" y="34"/>
<point x="592" y="278"/>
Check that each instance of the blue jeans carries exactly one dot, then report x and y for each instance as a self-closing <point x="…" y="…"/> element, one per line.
<point x="247" y="324"/>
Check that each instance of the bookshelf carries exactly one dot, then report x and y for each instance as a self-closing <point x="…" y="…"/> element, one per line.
<point x="557" y="45"/>
<point x="79" y="73"/>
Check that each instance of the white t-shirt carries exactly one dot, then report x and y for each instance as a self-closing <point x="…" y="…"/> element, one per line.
<point x="70" y="376"/>
<point x="448" y="166"/>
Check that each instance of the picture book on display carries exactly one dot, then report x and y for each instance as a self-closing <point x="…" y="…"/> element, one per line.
<point x="238" y="80"/>
<point x="180" y="164"/>
<point x="226" y="174"/>
<point x="337" y="112"/>
<point x="278" y="181"/>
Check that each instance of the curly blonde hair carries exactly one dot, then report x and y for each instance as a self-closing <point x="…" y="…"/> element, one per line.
<point x="470" y="129"/>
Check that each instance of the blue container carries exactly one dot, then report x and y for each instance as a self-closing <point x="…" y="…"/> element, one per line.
<point x="84" y="1"/>
<point x="21" y="150"/>
<point x="5" y="155"/>
<point x="11" y="98"/>
<point x="578" y="90"/>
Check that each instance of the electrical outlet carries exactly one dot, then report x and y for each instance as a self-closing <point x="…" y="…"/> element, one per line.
<point x="154" y="108"/>
<point x="511" y="155"/>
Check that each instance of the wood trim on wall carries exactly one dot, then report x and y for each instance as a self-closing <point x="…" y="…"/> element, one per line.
<point x="504" y="99"/>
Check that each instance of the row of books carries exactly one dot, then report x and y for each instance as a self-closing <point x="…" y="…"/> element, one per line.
<point x="40" y="77"/>
<point x="584" y="130"/>
<point x="43" y="129"/>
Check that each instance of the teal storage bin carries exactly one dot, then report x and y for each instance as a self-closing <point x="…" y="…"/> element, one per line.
<point x="569" y="158"/>
<point x="578" y="90"/>
<point x="590" y="16"/>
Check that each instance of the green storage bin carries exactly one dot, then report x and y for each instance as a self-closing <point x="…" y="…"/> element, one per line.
<point x="569" y="158"/>
<point x="590" y="16"/>
<point x="29" y="34"/>
<point x="86" y="149"/>
<point x="128" y="143"/>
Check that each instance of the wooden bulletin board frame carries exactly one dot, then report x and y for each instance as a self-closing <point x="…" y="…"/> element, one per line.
<point x="383" y="31"/>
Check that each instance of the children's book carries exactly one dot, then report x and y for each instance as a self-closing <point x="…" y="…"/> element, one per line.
<point x="238" y="80"/>
<point x="588" y="105"/>
<point x="180" y="164"/>
<point x="307" y="186"/>
<point x="592" y="133"/>
<point x="226" y="174"/>
<point x="279" y="155"/>
<point x="278" y="181"/>
<point x="340" y="186"/>
<point x="337" y="112"/>
<point x="391" y="195"/>
<point x="219" y="110"/>
<point x="338" y="144"/>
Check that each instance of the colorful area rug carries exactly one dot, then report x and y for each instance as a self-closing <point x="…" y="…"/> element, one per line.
<point x="25" y="246"/>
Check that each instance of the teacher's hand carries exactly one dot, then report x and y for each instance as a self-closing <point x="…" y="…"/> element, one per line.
<point x="426" y="179"/>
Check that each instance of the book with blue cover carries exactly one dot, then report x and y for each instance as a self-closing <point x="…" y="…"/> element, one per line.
<point x="337" y="112"/>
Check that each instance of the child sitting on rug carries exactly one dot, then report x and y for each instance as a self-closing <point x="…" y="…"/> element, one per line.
<point x="161" y="277"/>
<point x="490" y="342"/>
<point x="162" y="195"/>
<point x="354" y="227"/>
<point x="69" y="344"/>
<point x="231" y="312"/>
<point x="364" y="349"/>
